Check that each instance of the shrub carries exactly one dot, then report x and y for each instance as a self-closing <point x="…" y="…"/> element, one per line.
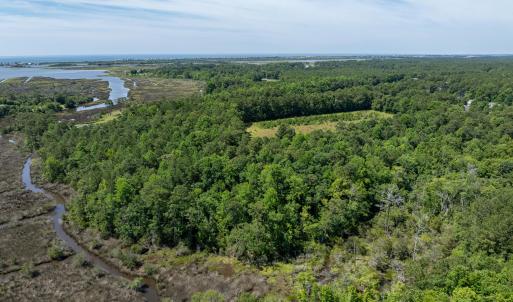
<point x="99" y="273"/>
<point x="131" y="261"/>
<point x="28" y="270"/>
<point x="182" y="250"/>
<point x="137" y="284"/>
<point x="285" y="131"/>
<point x="81" y="261"/>
<point x="139" y="249"/>
<point x="56" y="252"/>
<point x="252" y="243"/>
<point x="247" y="297"/>
<point x="95" y="245"/>
<point x="208" y="296"/>
<point x="150" y="270"/>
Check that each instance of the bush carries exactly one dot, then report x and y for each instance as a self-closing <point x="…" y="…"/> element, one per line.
<point x="285" y="131"/>
<point x="251" y="243"/>
<point x="131" y="261"/>
<point x="139" y="249"/>
<point x="137" y="284"/>
<point x="81" y="261"/>
<point x="28" y="270"/>
<point x="96" y="245"/>
<point x="247" y="297"/>
<point x="208" y="296"/>
<point x="56" y="252"/>
<point x="150" y="270"/>
<point x="182" y="250"/>
<point x="99" y="273"/>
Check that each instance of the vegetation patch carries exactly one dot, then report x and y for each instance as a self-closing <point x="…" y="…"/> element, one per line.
<point x="309" y="124"/>
<point x="48" y="94"/>
<point x="108" y="117"/>
<point x="146" y="89"/>
<point x="411" y="208"/>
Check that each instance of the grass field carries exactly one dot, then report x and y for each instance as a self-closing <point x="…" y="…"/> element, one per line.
<point x="108" y="117"/>
<point x="144" y="89"/>
<point x="309" y="124"/>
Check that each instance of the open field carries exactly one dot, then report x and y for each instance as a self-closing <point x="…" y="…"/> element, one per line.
<point x="309" y="124"/>
<point x="100" y="117"/>
<point x="144" y="89"/>
<point x="108" y="117"/>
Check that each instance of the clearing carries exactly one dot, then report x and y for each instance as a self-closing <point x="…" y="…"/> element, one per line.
<point x="144" y="89"/>
<point x="309" y="124"/>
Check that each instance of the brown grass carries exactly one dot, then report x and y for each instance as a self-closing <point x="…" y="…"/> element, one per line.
<point x="157" y="89"/>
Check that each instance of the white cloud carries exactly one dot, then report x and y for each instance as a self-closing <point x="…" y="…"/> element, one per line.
<point x="264" y="26"/>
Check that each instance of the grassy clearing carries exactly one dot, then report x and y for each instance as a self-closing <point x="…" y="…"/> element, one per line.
<point x="144" y="89"/>
<point x="309" y="124"/>
<point x="89" y="118"/>
<point x="108" y="117"/>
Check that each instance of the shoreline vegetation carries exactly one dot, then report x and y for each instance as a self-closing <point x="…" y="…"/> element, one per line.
<point x="295" y="181"/>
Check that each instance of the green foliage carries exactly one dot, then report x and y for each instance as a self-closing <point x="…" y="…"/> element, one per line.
<point x="56" y="252"/>
<point x="414" y="207"/>
<point x="129" y="260"/>
<point x="247" y="297"/>
<point x="285" y="131"/>
<point x="150" y="270"/>
<point x="46" y="95"/>
<point x="80" y="261"/>
<point x="28" y="270"/>
<point x="137" y="284"/>
<point x="251" y="242"/>
<point x="208" y="296"/>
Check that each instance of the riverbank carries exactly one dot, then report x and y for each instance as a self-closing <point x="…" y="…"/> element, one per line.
<point x="27" y="272"/>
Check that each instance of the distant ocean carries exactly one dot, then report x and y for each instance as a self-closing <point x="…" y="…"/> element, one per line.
<point x="100" y="58"/>
<point x="142" y="57"/>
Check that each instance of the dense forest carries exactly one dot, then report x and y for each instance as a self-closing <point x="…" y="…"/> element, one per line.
<point x="416" y="207"/>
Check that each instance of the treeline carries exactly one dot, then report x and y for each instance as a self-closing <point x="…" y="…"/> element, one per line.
<point x="45" y="104"/>
<point x="298" y="89"/>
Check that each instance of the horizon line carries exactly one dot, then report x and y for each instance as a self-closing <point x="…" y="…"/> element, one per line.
<point x="263" y="54"/>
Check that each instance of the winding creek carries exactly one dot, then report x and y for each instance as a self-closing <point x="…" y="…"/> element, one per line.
<point x="116" y="85"/>
<point x="149" y="291"/>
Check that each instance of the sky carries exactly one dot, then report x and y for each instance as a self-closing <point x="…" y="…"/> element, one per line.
<point x="80" y="27"/>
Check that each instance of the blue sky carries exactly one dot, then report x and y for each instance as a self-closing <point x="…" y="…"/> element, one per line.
<point x="57" y="27"/>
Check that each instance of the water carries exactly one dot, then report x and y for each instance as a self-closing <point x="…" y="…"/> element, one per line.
<point x="27" y="180"/>
<point x="147" y="57"/>
<point x="84" y="108"/>
<point x="116" y="85"/>
<point x="150" y="293"/>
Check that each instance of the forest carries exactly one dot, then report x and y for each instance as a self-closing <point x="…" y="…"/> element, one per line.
<point x="414" y="207"/>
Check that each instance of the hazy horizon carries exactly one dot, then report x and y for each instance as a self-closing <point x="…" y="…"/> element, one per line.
<point x="205" y="27"/>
